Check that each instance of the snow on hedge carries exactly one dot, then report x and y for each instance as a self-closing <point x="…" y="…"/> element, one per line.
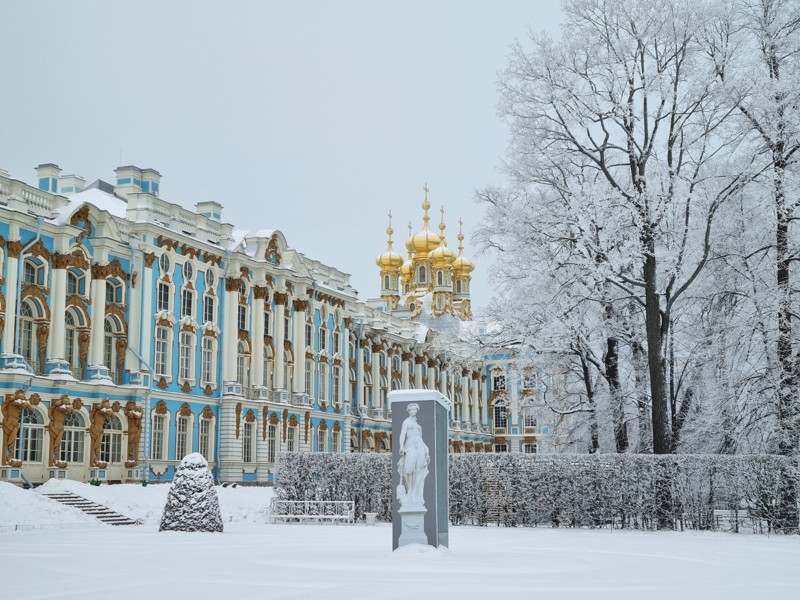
<point x="192" y="503"/>
<point x="737" y="493"/>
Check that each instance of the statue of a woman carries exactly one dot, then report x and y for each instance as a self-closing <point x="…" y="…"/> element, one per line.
<point x="414" y="459"/>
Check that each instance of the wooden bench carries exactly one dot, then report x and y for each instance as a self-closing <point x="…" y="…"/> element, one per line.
<point x="312" y="510"/>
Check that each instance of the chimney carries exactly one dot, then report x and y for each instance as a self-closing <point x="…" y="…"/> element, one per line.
<point x="47" y="174"/>
<point x="151" y="181"/>
<point x="210" y="209"/>
<point x="71" y="184"/>
<point x="129" y="181"/>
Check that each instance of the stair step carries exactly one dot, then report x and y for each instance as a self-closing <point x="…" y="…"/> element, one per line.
<point x="98" y="511"/>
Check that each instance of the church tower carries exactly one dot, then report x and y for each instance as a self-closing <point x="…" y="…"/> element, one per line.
<point x="432" y="278"/>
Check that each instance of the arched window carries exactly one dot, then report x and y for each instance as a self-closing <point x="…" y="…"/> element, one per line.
<point x="422" y="274"/>
<point x="33" y="272"/>
<point x="500" y="416"/>
<point x="72" y="440"/>
<point x="71" y="348"/>
<point x="386" y="282"/>
<point x="113" y="292"/>
<point x="27" y="341"/>
<point x="111" y="445"/>
<point x="75" y="282"/>
<point x="458" y="286"/>
<point x="439" y="278"/>
<point x="108" y="345"/>
<point x="243" y="364"/>
<point x="30" y="440"/>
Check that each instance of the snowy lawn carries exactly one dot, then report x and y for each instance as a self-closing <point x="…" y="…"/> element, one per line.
<point x="257" y="560"/>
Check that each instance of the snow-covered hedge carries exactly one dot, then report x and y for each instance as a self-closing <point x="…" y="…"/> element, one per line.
<point x="363" y="478"/>
<point x="736" y="493"/>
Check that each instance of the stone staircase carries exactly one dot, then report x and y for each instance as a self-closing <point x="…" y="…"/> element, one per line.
<point x="100" y="512"/>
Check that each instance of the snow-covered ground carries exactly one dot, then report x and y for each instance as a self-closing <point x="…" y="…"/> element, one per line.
<point x="68" y="555"/>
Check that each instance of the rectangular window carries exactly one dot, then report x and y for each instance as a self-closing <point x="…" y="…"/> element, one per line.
<point x="322" y="440"/>
<point x="247" y="442"/>
<point x="309" y="375"/>
<point x="337" y="385"/>
<point x="309" y="335"/>
<point x="500" y="419"/>
<point x="528" y="381"/>
<point x="286" y="327"/>
<point x="158" y="441"/>
<point x="162" y="297"/>
<point x="500" y="448"/>
<point x="336" y="342"/>
<point x="530" y="448"/>
<point x="207" y="361"/>
<point x="182" y="438"/>
<point x="208" y="309"/>
<point x="290" y="438"/>
<point x="242" y="318"/>
<point x="530" y="420"/>
<point x="187" y="303"/>
<point x="162" y="351"/>
<point x="323" y="338"/>
<point x="185" y="357"/>
<point x="267" y="319"/>
<point x="204" y="439"/>
<point x="111" y="447"/>
<point x="336" y="441"/>
<point x="72" y="446"/>
<point x="323" y="382"/>
<point x="498" y="382"/>
<point x="272" y="442"/>
<point x="30" y="443"/>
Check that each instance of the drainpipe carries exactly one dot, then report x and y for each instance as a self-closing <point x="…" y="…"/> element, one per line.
<point x="358" y="388"/>
<point x="221" y="363"/>
<point x="20" y="265"/>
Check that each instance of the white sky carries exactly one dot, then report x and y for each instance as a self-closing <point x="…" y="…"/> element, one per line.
<point x="315" y="118"/>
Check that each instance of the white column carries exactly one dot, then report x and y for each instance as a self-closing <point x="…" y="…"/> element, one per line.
<point x="230" y="335"/>
<point x="58" y="299"/>
<point x="405" y="369"/>
<point x="98" y="316"/>
<point x="257" y="336"/>
<point x="418" y="373"/>
<point x="147" y="309"/>
<point x="299" y="324"/>
<point x="11" y="304"/>
<point x="134" y="302"/>
<point x="280" y="300"/>
<point x="360" y="373"/>
<point x="443" y="381"/>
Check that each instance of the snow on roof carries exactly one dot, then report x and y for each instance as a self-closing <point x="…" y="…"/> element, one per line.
<point x="101" y="200"/>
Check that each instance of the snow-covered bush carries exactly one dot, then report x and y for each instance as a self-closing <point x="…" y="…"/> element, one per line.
<point x="192" y="503"/>
<point x="733" y="493"/>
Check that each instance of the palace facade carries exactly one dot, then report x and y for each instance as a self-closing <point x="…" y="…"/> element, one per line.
<point x="134" y="331"/>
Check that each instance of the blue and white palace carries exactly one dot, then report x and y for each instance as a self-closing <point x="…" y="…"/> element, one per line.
<point x="134" y="331"/>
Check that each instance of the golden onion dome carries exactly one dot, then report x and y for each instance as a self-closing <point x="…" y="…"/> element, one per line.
<point x="426" y="240"/>
<point x="462" y="265"/>
<point x="389" y="260"/>
<point x="441" y="256"/>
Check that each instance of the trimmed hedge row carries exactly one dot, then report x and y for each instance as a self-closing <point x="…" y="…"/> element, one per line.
<point x="712" y="492"/>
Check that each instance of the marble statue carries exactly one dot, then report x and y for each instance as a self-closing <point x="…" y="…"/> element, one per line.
<point x="414" y="458"/>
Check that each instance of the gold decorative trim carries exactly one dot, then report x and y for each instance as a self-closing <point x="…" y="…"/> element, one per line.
<point x="238" y="418"/>
<point x="162" y="383"/>
<point x="208" y="412"/>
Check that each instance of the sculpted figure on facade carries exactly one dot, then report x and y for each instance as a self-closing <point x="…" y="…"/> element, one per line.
<point x="134" y="415"/>
<point x="97" y="420"/>
<point x="59" y="409"/>
<point x="414" y="459"/>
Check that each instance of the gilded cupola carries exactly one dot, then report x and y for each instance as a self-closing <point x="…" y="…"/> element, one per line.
<point x="441" y="256"/>
<point x="462" y="265"/>
<point x="426" y="240"/>
<point x="389" y="260"/>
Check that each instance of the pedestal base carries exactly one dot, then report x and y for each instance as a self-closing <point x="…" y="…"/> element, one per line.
<point x="412" y="526"/>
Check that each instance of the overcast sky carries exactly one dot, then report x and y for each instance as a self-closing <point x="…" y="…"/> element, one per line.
<point x="315" y="118"/>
